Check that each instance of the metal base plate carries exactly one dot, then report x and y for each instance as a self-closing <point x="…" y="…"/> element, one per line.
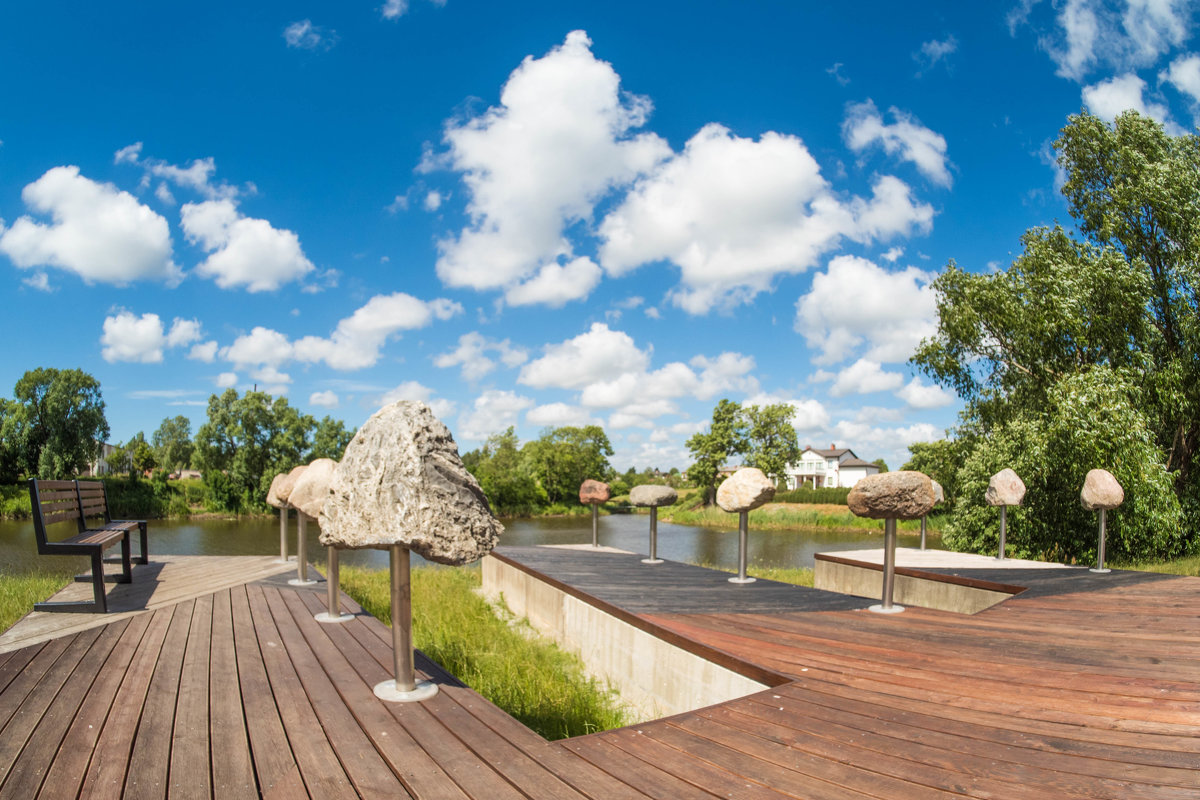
<point x="652" y="561"/>
<point x="298" y="582"/>
<point x="879" y="609"/>
<point x="388" y="691"/>
<point x="736" y="579"/>
<point x="325" y="616"/>
<point x="1100" y="571"/>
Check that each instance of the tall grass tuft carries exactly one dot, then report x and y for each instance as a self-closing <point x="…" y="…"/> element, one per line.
<point x="18" y="593"/>
<point x="1188" y="565"/>
<point x="536" y="682"/>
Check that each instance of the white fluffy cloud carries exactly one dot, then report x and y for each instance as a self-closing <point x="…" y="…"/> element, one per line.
<point x="128" y="337"/>
<point x="245" y="251"/>
<point x="471" y="355"/>
<point x="889" y="443"/>
<point x="733" y="213"/>
<point x="555" y="284"/>
<point x="196" y="176"/>
<point x="303" y="35"/>
<point x="227" y="380"/>
<point x="922" y="395"/>
<point x="1184" y="75"/>
<point x="864" y="377"/>
<point x="1093" y="34"/>
<point x="558" y="141"/>
<point x="411" y="390"/>
<point x="811" y="415"/>
<point x="359" y="338"/>
<point x="559" y="414"/>
<point x="493" y="412"/>
<point x="600" y="354"/>
<point x="262" y="346"/>
<point x="856" y="303"/>
<point x="904" y="138"/>
<point x="203" y="351"/>
<point x="325" y="399"/>
<point x="96" y="231"/>
<point x="1109" y="98"/>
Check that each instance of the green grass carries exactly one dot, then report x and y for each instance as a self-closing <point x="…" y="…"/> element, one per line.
<point x="801" y="576"/>
<point x="791" y="518"/>
<point x="1189" y="565"/>
<point x="534" y="681"/>
<point x="18" y="593"/>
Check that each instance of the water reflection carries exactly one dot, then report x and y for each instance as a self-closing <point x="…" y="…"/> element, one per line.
<point x="260" y="536"/>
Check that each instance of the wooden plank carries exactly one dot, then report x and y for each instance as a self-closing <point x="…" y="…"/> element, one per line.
<point x="191" y="770"/>
<point x="24" y="682"/>
<point x="274" y="765"/>
<point x="150" y="760"/>
<point x="302" y="635"/>
<point x="232" y="768"/>
<point x="643" y="776"/>
<point x="105" y="777"/>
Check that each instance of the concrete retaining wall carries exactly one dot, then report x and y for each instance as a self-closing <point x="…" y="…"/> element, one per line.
<point x="866" y="580"/>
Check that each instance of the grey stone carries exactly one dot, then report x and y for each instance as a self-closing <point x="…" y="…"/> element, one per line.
<point x="653" y="496"/>
<point x="939" y="494"/>
<point x="1101" y="491"/>
<point x="745" y="490"/>
<point x="312" y="487"/>
<point x="594" y="492"/>
<point x="906" y="494"/>
<point x="1005" y="489"/>
<point x="401" y="481"/>
<point x="282" y="485"/>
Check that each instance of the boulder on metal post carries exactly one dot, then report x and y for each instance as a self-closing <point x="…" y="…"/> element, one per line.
<point x="939" y="496"/>
<point x="890" y="496"/>
<point x="277" y="497"/>
<point x="741" y="493"/>
<point x="1102" y="493"/>
<point x="651" y="496"/>
<point x="1004" y="489"/>
<point x="401" y="486"/>
<point x="309" y="496"/>
<point x="593" y="493"/>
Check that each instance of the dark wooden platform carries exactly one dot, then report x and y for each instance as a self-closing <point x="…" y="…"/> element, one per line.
<point x="1089" y="693"/>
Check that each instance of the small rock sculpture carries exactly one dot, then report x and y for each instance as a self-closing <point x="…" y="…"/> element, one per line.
<point x="401" y="481"/>
<point x="312" y="487"/>
<point x="282" y="485"/>
<point x="592" y="492"/>
<point x="1005" y="489"/>
<point x="745" y="490"/>
<point x="653" y="497"/>
<point x="906" y="494"/>
<point x="1101" y="492"/>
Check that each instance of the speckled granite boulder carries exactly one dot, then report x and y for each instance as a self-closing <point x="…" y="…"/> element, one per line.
<point x="653" y="496"/>
<point x="1005" y="489"/>
<point x="401" y="482"/>
<point x="906" y="494"/>
<point x="939" y="494"/>
<point x="312" y="487"/>
<point x="282" y="485"/>
<point x="1101" y="491"/>
<point x="745" y="490"/>
<point x="594" y="492"/>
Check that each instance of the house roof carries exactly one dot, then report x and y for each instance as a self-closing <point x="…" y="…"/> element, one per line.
<point x="832" y="453"/>
<point x="858" y="462"/>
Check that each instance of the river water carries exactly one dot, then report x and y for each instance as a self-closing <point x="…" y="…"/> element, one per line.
<point x="260" y="536"/>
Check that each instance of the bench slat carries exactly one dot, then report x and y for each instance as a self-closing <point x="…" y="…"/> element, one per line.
<point x="61" y="516"/>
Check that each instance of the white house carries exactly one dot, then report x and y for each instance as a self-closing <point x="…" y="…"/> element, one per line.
<point x="836" y="467"/>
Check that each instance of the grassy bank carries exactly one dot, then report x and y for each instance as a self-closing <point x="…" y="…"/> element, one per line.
<point x="18" y="593"/>
<point x="1182" y="566"/>
<point x="791" y="516"/>
<point x="536" y="682"/>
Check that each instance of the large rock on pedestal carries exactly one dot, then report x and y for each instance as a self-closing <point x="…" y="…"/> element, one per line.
<point x="1005" y="489"/>
<point x="939" y="494"/>
<point x="906" y="494"/>
<point x="1101" y="491"/>
<point x="282" y="485"/>
<point x="401" y="481"/>
<point x="312" y="487"/>
<point x="745" y="490"/>
<point x="594" y="492"/>
<point x="653" y="496"/>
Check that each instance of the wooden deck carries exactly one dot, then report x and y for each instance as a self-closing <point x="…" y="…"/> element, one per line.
<point x="1080" y="690"/>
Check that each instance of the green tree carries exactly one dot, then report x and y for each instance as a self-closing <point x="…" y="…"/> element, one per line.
<point x="940" y="460"/>
<point x="771" y="442"/>
<point x="141" y="455"/>
<point x="58" y="422"/>
<point x="173" y="443"/>
<point x="563" y="458"/>
<point x="1082" y="353"/>
<point x="725" y="438"/>
<point x="10" y="451"/>
<point x="329" y="439"/>
<point x="505" y="476"/>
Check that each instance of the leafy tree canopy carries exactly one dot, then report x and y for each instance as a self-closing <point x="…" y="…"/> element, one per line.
<point x="771" y="442"/>
<point x="563" y="458"/>
<point x="329" y="439"/>
<point x="724" y="439"/>
<point x="55" y="425"/>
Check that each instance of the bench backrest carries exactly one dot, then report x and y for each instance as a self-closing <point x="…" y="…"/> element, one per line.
<point x="53" y="502"/>
<point x="93" y="499"/>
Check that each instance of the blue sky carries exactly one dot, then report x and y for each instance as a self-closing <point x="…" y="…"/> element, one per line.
<point x="539" y="213"/>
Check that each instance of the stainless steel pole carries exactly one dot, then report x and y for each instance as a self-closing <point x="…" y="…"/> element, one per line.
<point x="331" y="581"/>
<point x="595" y="525"/>
<point x="743" y="539"/>
<point x="301" y="578"/>
<point x="923" y="529"/>
<point x="402" y="649"/>
<point x="283" y="548"/>
<point x="889" y="562"/>
<point x="653" y="559"/>
<point x="1100" y="553"/>
<point x="1003" y="525"/>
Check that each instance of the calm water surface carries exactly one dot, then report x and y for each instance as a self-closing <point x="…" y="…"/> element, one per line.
<point x="260" y="536"/>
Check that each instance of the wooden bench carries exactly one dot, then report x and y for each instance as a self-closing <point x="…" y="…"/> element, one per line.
<point x="55" y="502"/>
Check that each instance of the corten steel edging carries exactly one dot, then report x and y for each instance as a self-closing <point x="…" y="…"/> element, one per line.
<point x="719" y="657"/>
<point x="937" y="577"/>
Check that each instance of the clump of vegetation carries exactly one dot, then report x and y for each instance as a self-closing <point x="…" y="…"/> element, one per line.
<point x="18" y="593"/>
<point x="536" y="682"/>
<point x="807" y="494"/>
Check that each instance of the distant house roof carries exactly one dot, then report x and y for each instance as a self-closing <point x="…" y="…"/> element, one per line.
<point x="835" y="452"/>
<point x="858" y="462"/>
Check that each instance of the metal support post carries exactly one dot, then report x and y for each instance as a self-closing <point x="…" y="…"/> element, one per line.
<point x="333" y="589"/>
<point x="301" y="578"/>
<point x="889" y="570"/>
<point x="404" y="688"/>
<point x="1003" y="527"/>
<point x="1100" y="553"/>
<point x="283" y="543"/>
<point x="595" y="525"/>
<point x="653" y="559"/>
<point x="923" y="530"/>
<point x="743" y="537"/>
